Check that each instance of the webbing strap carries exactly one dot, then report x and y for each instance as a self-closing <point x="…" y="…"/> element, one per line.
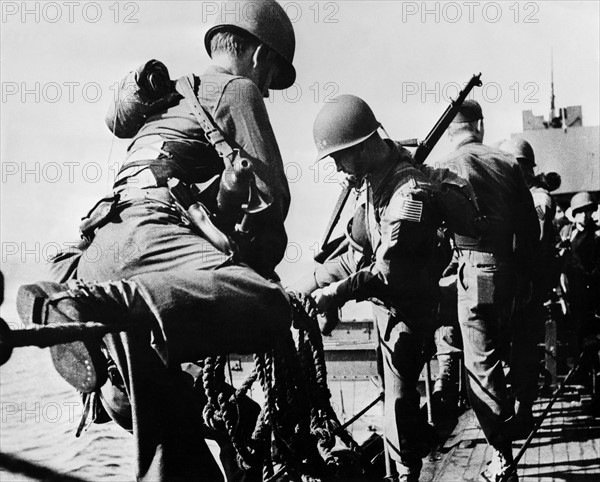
<point x="89" y="413"/>
<point x="185" y="87"/>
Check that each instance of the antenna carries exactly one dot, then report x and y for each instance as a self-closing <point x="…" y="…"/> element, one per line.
<point x="551" y="118"/>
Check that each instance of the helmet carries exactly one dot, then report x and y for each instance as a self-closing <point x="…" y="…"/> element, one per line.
<point x="553" y="180"/>
<point x="469" y="111"/>
<point x="580" y="201"/>
<point x="267" y="21"/>
<point x="344" y="122"/>
<point x="519" y="148"/>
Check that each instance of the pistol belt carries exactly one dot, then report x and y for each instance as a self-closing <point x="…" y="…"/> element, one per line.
<point x="130" y="193"/>
<point x="209" y="231"/>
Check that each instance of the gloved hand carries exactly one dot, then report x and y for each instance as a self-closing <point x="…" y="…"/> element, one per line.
<point x="326" y="298"/>
<point x="328" y="321"/>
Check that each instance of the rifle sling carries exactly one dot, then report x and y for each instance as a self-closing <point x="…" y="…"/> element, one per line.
<point x="185" y="86"/>
<point x="335" y="217"/>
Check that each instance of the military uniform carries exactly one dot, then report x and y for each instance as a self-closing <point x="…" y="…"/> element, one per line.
<point x="202" y="302"/>
<point x="528" y="324"/>
<point x="487" y="275"/>
<point x="401" y="224"/>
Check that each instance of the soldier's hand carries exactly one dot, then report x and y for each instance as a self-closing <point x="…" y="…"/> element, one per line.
<point x="328" y="321"/>
<point x="324" y="299"/>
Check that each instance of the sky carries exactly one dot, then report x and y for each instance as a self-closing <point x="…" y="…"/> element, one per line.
<point x="60" y="62"/>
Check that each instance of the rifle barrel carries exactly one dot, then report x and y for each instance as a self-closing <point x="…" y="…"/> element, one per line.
<point x="425" y="147"/>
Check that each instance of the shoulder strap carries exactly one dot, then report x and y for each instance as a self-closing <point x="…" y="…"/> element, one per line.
<point x="185" y="86"/>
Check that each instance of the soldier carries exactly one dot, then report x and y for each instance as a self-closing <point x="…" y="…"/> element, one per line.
<point x="487" y="270"/>
<point x="529" y="317"/>
<point x="401" y="225"/>
<point x="448" y="342"/>
<point x="151" y="269"/>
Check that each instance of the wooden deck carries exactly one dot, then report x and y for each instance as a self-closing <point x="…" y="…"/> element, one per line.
<point x="566" y="448"/>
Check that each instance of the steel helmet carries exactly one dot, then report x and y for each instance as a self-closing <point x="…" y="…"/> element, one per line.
<point x="519" y="148"/>
<point x="344" y="122"/>
<point x="267" y="21"/>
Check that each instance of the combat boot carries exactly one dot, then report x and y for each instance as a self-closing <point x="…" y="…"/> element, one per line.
<point x="445" y="390"/>
<point x="522" y="423"/>
<point x="80" y="363"/>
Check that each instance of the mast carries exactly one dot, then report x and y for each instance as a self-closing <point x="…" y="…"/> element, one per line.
<point x="552" y="113"/>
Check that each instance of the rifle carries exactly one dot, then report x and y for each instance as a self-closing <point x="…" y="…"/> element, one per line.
<point x="423" y="150"/>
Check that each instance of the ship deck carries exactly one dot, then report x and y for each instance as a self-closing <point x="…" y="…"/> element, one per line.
<point x="566" y="447"/>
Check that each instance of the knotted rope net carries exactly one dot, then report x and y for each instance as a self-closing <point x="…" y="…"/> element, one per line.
<point x="296" y="431"/>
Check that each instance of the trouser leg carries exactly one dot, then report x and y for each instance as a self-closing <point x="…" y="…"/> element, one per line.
<point x="227" y="310"/>
<point x="197" y="313"/>
<point x="483" y="318"/>
<point x="196" y="308"/>
<point x="167" y="418"/>
<point x="448" y="351"/>
<point x="527" y="326"/>
<point x="402" y="360"/>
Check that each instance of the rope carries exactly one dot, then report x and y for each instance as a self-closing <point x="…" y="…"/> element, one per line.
<point x="16" y="465"/>
<point x="296" y="430"/>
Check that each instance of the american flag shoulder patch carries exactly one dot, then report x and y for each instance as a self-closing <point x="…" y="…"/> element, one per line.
<point x="406" y="209"/>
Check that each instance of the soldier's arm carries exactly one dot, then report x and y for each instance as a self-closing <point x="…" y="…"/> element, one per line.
<point x="242" y="115"/>
<point x="543" y="207"/>
<point x="401" y="230"/>
<point x="331" y="271"/>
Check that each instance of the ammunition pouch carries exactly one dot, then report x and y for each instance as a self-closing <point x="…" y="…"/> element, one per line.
<point x="98" y="216"/>
<point x="203" y="221"/>
<point x="63" y="266"/>
<point x="357" y="233"/>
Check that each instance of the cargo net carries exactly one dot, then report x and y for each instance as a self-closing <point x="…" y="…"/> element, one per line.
<point x="297" y="429"/>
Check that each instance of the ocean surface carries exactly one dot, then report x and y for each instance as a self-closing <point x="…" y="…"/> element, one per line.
<point x="40" y="413"/>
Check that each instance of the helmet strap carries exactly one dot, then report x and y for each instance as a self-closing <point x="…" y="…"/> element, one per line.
<point x="359" y="165"/>
<point x="263" y="61"/>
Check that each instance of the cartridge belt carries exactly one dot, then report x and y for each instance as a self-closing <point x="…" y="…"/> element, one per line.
<point x="151" y="149"/>
<point x="130" y="193"/>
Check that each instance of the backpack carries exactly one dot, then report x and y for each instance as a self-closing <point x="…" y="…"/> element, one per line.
<point x="456" y="202"/>
<point x="454" y="198"/>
